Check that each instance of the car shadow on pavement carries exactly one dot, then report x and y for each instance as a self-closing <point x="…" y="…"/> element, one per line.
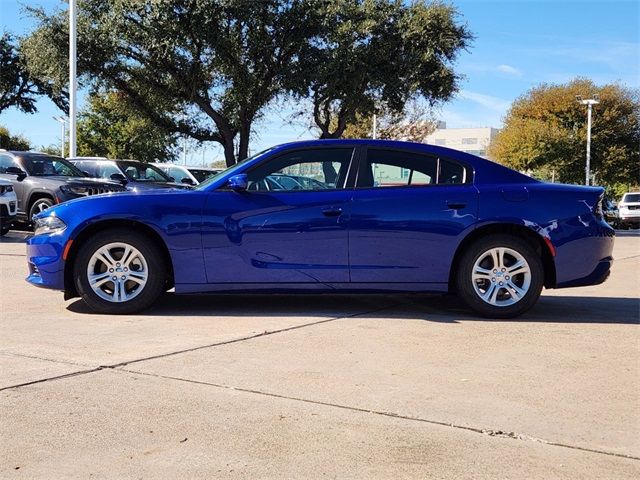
<point x="434" y="308"/>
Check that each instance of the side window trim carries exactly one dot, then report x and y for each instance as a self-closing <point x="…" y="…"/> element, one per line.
<point x="348" y="182"/>
<point x="467" y="170"/>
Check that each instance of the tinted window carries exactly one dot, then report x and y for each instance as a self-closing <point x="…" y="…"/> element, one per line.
<point x="5" y="162"/>
<point x="394" y="168"/>
<point x="202" y="175"/>
<point x="320" y="169"/>
<point x="631" y="197"/>
<point x="45" y="166"/>
<point x="142" y="172"/>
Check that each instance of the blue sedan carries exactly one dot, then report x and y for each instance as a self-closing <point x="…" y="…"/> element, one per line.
<point x="375" y="216"/>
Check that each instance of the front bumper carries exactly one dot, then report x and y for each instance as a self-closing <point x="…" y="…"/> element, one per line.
<point x="44" y="258"/>
<point x="8" y="210"/>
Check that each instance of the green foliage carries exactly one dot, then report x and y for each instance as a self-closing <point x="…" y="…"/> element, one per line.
<point x="222" y="63"/>
<point x="111" y="127"/>
<point x="18" y="88"/>
<point x="12" y="142"/>
<point x="545" y="132"/>
<point x="374" y="56"/>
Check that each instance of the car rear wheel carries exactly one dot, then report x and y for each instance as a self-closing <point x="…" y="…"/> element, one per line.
<point x="40" y="205"/>
<point x="500" y="276"/>
<point x="119" y="271"/>
<point x="4" y="229"/>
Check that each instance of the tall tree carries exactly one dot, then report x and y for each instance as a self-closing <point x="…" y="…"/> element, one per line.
<point x="375" y="55"/>
<point x="545" y="130"/>
<point x="18" y="88"/>
<point x="111" y="127"/>
<point x="223" y="62"/>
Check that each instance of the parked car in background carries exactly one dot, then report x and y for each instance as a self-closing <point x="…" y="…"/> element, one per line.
<point x="41" y="181"/>
<point x="130" y="173"/>
<point x="8" y="206"/>
<point x="394" y="216"/>
<point x="629" y="210"/>
<point x="611" y="213"/>
<point x="186" y="174"/>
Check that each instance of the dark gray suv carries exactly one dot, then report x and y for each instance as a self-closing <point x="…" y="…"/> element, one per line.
<point x="42" y="180"/>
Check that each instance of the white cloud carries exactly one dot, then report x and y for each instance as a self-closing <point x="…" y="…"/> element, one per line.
<point x="509" y="70"/>
<point x="493" y="103"/>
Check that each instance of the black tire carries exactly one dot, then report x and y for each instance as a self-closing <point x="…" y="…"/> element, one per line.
<point x="156" y="271"/>
<point x="466" y="285"/>
<point x="39" y="205"/>
<point x="4" y="229"/>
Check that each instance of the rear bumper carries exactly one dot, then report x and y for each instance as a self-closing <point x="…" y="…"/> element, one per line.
<point x="585" y="258"/>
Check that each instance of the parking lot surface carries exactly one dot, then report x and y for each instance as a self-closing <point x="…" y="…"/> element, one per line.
<point x="325" y="386"/>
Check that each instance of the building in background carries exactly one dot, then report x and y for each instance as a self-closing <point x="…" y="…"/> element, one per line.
<point x="469" y="140"/>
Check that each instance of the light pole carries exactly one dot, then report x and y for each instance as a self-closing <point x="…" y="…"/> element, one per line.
<point x="72" y="78"/>
<point x="63" y="121"/>
<point x="374" y="133"/>
<point x="589" y="102"/>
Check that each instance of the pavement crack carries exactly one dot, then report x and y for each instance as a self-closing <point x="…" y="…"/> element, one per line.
<point x="249" y="337"/>
<point x="482" y="431"/>
<point x="49" y="379"/>
<point x="45" y="359"/>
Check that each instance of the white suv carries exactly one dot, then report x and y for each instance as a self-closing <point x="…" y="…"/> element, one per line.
<point x="629" y="210"/>
<point x="8" y="203"/>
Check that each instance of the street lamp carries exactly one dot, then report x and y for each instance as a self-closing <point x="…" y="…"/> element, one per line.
<point x="589" y="102"/>
<point x="63" y="121"/>
<point x="73" y="84"/>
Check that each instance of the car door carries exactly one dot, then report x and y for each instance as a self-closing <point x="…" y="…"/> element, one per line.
<point x="274" y="235"/>
<point x="408" y="216"/>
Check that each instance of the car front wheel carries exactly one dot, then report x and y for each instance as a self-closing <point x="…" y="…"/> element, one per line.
<point x="500" y="276"/>
<point x="40" y="205"/>
<point x="119" y="271"/>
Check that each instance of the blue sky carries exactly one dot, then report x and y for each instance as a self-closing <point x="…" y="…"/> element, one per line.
<point x="519" y="44"/>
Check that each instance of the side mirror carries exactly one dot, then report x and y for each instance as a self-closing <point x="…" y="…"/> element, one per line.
<point x="238" y="183"/>
<point x="187" y="180"/>
<point x="21" y="175"/>
<point x="118" y="177"/>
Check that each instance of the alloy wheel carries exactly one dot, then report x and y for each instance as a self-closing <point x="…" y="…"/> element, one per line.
<point x="117" y="272"/>
<point x="501" y="276"/>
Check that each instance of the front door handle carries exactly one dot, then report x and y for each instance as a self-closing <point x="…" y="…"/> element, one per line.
<point x="332" y="211"/>
<point x="456" y="205"/>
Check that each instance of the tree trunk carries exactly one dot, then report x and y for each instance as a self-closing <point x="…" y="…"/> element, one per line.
<point x="243" y="146"/>
<point x="229" y="154"/>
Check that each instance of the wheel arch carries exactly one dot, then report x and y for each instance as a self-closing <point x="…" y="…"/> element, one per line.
<point x="520" y="231"/>
<point x="94" y="228"/>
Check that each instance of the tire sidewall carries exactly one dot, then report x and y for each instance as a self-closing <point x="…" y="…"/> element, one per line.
<point x="155" y="280"/>
<point x="465" y="283"/>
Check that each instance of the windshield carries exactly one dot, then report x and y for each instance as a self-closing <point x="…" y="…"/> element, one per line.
<point x="143" y="172"/>
<point x="45" y="166"/>
<point x="231" y="169"/>
<point x="201" y="175"/>
<point x="631" y="197"/>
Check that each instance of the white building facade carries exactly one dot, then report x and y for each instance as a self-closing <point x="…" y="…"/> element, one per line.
<point x="469" y="140"/>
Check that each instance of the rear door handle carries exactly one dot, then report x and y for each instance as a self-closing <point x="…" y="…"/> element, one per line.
<point x="456" y="205"/>
<point x="332" y="211"/>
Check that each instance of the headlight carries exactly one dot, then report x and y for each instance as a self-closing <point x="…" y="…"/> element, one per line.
<point x="48" y="224"/>
<point x="73" y="189"/>
<point x="5" y="189"/>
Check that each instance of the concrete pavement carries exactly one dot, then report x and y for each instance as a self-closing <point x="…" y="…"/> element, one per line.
<point x="320" y="386"/>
